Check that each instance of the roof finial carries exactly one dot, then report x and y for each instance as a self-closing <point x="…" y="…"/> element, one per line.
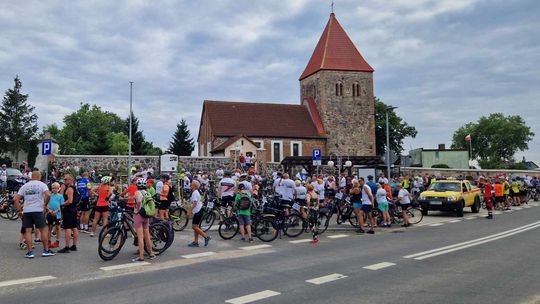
<point x="332" y="6"/>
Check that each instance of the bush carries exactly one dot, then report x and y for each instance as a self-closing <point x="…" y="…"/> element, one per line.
<point x="441" y="166"/>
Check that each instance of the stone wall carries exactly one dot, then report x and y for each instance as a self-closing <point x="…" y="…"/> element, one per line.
<point x="349" y="121"/>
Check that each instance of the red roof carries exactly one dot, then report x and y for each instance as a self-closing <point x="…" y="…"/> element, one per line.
<point x="228" y="118"/>
<point x="335" y="51"/>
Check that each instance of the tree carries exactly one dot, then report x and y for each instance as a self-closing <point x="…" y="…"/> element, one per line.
<point x="495" y="139"/>
<point x="87" y="131"/>
<point x="18" y="122"/>
<point x="182" y="143"/>
<point x="118" y="144"/>
<point x="53" y="130"/>
<point x="399" y="129"/>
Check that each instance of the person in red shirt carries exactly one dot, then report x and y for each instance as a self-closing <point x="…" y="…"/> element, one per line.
<point x="131" y="194"/>
<point x="487" y="198"/>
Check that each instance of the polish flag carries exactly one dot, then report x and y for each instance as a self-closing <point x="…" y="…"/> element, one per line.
<point x="468" y="137"/>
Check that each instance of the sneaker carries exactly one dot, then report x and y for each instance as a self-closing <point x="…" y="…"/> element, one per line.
<point x="193" y="244"/>
<point x="251" y="240"/>
<point x="137" y="260"/>
<point x="152" y="257"/>
<point x="64" y="250"/>
<point x="73" y="248"/>
<point x="37" y="241"/>
<point x="83" y="231"/>
<point x="29" y="254"/>
<point x="91" y="234"/>
<point x="371" y="232"/>
<point x="360" y="230"/>
<point x="206" y="241"/>
<point x="47" y="253"/>
<point x="405" y="225"/>
<point x="243" y="239"/>
<point x="22" y="245"/>
<point x="489" y="217"/>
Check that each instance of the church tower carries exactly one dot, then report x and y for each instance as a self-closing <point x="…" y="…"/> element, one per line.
<point x="338" y="84"/>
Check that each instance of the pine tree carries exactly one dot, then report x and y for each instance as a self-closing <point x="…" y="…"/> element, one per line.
<point x="18" y="122"/>
<point x="138" y="142"/>
<point x="182" y="144"/>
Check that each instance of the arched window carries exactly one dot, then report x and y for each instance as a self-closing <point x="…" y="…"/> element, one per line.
<point x="339" y="89"/>
<point x="356" y="89"/>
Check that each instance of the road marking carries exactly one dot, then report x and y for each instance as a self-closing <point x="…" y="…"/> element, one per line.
<point x="527" y="206"/>
<point x="469" y="242"/>
<point x="255" y="247"/>
<point x="454" y="221"/>
<point x="253" y="297"/>
<point x="517" y="208"/>
<point x="338" y="236"/>
<point x="509" y="210"/>
<point x="301" y="241"/>
<point x="379" y="266"/>
<point x="123" y="266"/>
<point x="471" y="218"/>
<point x="326" y="279"/>
<point x="436" y="224"/>
<point x="198" y="255"/>
<point x="25" y="281"/>
<point x="497" y="213"/>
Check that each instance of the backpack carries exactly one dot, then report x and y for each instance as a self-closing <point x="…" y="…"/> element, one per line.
<point x="244" y="203"/>
<point x="170" y="194"/>
<point x="148" y="206"/>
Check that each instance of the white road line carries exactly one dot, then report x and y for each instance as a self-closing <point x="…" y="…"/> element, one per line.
<point x="379" y="266"/>
<point x="497" y="213"/>
<point x="509" y="210"/>
<point x="123" y="266"/>
<point x="527" y="206"/>
<point x="469" y="242"/>
<point x="255" y="247"/>
<point x="253" y="297"/>
<point x="517" y="208"/>
<point x="338" y="236"/>
<point x="474" y="244"/>
<point x="198" y="255"/>
<point x="326" y="279"/>
<point x="436" y="224"/>
<point x="471" y="218"/>
<point x="454" y="221"/>
<point x="25" y="281"/>
<point x="301" y="241"/>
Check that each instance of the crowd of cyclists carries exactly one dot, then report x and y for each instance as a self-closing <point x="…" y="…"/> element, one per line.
<point x="73" y="205"/>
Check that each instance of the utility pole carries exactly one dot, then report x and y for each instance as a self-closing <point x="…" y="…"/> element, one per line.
<point x="130" y="122"/>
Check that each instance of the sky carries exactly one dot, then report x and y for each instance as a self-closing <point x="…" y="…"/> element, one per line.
<point x="444" y="63"/>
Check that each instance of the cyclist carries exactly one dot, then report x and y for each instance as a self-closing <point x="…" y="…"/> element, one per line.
<point x="287" y="193"/>
<point x="164" y="204"/>
<point x="3" y="177"/>
<point x="498" y="188"/>
<point x="515" y="191"/>
<point x="300" y="193"/>
<point x="142" y="224"/>
<point x="506" y="192"/>
<point x="54" y="214"/>
<point x="404" y="198"/>
<point x="382" y="203"/>
<point x="227" y="189"/>
<point x="366" y="206"/>
<point x="130" y="193"/>
<point x="69" y="215"/>
<point x="243" y="203"/>
<point x="83" y="187"/>
<point x="101" y="210"/>
<point x="522" y="190"/>
<point x="196" y="210"/>
<point x="312" y="201"/>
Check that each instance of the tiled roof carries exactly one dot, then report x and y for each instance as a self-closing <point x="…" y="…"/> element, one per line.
<point x="335" y="51"/>
<point x="227" y="118"/>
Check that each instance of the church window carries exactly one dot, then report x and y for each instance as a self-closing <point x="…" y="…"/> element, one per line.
<point x="339" y="89"/>
<point x="356" y="89"/>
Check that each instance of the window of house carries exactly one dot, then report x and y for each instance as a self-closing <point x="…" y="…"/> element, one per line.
<point x="296" y="148"/>
<point x="277" y="151"/>
<point x="356" y="89"/>
<point x="259" y="143"/>
<point x="339" y="89"/>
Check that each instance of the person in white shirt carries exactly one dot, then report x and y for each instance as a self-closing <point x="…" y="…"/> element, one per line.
<point x="287" y="193"/>
<point x="3" y="176"/>
<point x="196" y="210"/>
<point x="382" y="203"/>
<point x="247" y="185"/>
<point x="404" y="198"/>
<point x="220" y="173"/>
<point x="227" y="189"/>
<point x="367" y="205"/>
<point x="277" y="187"/>
<point x="300" y="193"/>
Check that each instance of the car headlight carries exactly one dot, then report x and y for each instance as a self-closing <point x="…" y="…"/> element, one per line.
<point x="451" y="198"/>
<point x="422" y="198"/>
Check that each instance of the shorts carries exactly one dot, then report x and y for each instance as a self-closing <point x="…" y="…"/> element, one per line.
<point x="101" y="209"/>
<point x="31" y="219"/>
<point x="227" y="201"/>
<point x="366" y="208"/>
<point x="140" y="222"/>
<point x="300" y="201"/>
<point x="244" y="220"/>
<point x="523" y="193"/>
<point x="514" y="194"/>
<point x="356" y="205"/>
<point x="500" y="199"/>
<point x="383" y="206"/>
<point x="197" y="217"/>
<point x="69" y="219"/>
<point x="283" y="204"/>
<point x="164" y="205"/>
<point x="405" y="206"/>
<point x="52" y="220"/>
<point x="84" y="204"/>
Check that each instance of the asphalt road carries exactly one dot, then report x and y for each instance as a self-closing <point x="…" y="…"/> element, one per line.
<point x="473" y="260"/>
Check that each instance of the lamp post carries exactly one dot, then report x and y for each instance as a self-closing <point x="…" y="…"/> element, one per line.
<point x="339" y="160"/>
<point x="388" y="161"/>
<point x="130" y="122"/>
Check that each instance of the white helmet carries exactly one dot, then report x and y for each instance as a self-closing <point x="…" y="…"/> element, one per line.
<point x="141" y="183"/>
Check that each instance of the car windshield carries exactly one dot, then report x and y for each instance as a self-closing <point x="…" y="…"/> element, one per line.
<point x="441" y="187"/>
<point x="12" y="171"/>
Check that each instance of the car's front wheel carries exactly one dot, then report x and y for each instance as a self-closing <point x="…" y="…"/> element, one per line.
<point x="459" y="209"/>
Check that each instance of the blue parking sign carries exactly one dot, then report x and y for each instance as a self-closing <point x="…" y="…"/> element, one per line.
<point x="46" y="147"/>
<point x="316" y="154"/>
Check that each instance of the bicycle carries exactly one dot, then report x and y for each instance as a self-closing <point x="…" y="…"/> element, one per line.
<point x="272" y="223"/>
<point x="7" y="207"/>
<point x="178" y="216"/>
<point x="344" y="211"/>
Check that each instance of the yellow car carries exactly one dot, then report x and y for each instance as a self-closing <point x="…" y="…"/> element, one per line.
<point x="450" y="195"/>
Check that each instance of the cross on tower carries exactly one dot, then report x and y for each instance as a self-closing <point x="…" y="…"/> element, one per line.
<point x="332" y="6"/>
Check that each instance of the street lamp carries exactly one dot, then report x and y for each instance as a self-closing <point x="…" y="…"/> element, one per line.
<point x="130" y="127"/>
<point x="339" y="160"/>
<point x="388" y="175"/>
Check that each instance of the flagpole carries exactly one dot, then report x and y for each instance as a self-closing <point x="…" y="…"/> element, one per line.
<point x="470" y="149"/>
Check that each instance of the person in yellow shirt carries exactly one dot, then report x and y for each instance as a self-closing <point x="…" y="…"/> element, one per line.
<point x="515" y="191"/>
<point x="506" y="192"/>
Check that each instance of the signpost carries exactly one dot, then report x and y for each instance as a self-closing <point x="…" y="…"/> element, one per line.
<point x="316" y="156"/>
<point x="46" y="147"/>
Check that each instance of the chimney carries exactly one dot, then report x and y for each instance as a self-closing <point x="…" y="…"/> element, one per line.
<point x="442" y="147"/>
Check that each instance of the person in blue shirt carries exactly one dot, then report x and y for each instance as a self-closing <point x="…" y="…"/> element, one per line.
<point x="54" y="213"/>
<point x="372" y="185"/>
<point x="83" y="187"/>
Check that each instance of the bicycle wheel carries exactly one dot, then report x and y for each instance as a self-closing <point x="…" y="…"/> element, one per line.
<point x="111" y="242"/>
<point x="229" y="228"/>
<point x="179" y="218"/>
<point x="415" y="215"/>
<point x="207" y="220"/>
<point x="352" y="219"/>
<point x="265" y="229"/>
<point x="322" y="222"/>
<point x="294" y="226"/>
<point x="11" y="212"/>
<point x="159" y="234"/>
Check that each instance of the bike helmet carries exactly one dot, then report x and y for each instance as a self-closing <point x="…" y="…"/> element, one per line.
<point x="141" y="183"/>
<point x="106" y="179"/>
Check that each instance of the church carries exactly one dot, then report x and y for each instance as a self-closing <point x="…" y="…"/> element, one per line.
<point x="335" y="113"/>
